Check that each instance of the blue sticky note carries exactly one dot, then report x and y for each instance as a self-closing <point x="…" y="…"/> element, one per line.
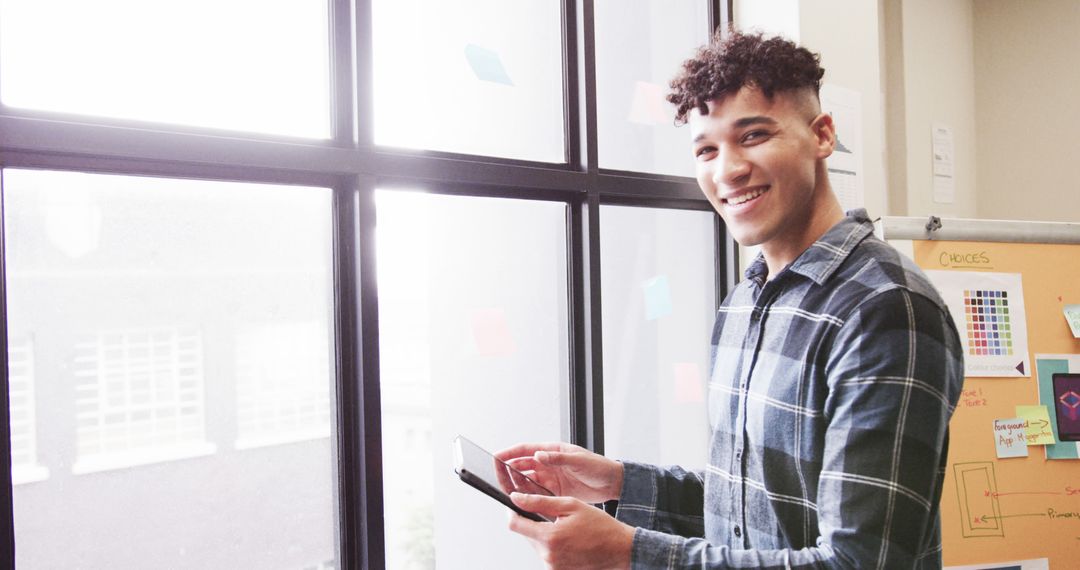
<point x="487" y="65"/>
<point x="657" y="297"/>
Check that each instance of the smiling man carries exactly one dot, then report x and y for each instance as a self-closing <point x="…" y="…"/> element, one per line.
<point x="836" y="365"/>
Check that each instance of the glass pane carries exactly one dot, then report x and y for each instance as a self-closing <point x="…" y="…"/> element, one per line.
<point x="244" y="65"/>
<point x="470" y="76"/>
<point x="171" y="345"/>
<point x="473" y="335"/>
<point x="639" y="47"/>
<point x="658" y="278"/>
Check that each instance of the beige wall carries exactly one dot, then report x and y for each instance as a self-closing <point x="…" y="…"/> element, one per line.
<point x="846" y="34"/>
<point x="1027" y="72"/>
<point x="1001" y="73"/>
<point x="931" y="80"/>
<point x="851" y="59"/>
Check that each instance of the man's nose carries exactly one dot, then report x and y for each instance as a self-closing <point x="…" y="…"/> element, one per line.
<point x="732" y="168"/>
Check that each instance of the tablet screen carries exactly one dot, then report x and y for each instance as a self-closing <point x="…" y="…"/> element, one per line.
<point x="494" y="472"/>
<point x="1067" y="405"/>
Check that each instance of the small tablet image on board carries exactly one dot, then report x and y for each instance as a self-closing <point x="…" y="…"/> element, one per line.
<point x="1067" y="405"/>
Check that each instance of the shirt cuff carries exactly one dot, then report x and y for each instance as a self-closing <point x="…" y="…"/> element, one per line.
<point x="653" y="550"/>
<point x="637" y="500"/>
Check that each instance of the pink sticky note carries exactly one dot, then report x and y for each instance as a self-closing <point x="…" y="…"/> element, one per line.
<point x="689" y="388"/>
<point x="648" y="106"/>
<point x="492" y="333"/>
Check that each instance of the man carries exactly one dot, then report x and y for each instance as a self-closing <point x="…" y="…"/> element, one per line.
<point x="836" y="365"/>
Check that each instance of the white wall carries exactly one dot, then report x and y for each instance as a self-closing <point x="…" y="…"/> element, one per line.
<point x="1027" y="80"/>
<point x="780" y="17"/>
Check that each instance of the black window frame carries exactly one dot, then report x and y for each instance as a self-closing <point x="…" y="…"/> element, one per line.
<point x="353" y="167"/>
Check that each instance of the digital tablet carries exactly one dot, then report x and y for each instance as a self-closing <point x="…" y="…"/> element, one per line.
<point x="493" y="477"/>
<point x="1067" y="405"/>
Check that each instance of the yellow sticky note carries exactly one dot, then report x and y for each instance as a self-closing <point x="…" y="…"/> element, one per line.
<point x="1036" y="424"/>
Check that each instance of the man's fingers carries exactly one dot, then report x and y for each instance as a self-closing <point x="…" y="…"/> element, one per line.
<point x="550" y="507"/>
<point x="523" y="464"/>
<point x="526" y="450"/>
<point x="560" y="459"/>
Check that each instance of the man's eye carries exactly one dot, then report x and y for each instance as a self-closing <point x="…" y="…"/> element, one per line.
<point x="755" y="136"/>
<point x="704" y="151"/>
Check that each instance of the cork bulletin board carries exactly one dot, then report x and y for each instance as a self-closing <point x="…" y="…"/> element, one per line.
<point x="995" y="508"/>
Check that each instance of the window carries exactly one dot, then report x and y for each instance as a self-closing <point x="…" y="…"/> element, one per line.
<point x="242" y="65"/>
<point x="263" y="260"/>
<point x="659" y="304"/>
<point x="277" y="400"/>
<point x="473" y="325"/>
<point x="139" y="398"/>
<point x="24" y="445"/>
<point x="470" y="76"/>
<point x="639" y="46"/>
<point x="144" y="297"/>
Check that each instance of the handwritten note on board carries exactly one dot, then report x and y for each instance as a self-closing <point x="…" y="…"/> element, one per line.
<point x="1037" y="424"/>
<point x="1010" y="438"/>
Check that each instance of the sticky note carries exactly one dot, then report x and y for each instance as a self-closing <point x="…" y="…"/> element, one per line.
<point x="1036" y="424"/>
<point x="1010" y="437"/>
<point x="487" y="65"/>
<point x="689" y="387"/>
<point x="657" y="297"/>
<point x="1072" y="316"/>
<point x="492" y="333"/>
<point x="647" y="107"/>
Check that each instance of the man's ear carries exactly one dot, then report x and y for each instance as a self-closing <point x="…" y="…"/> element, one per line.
<point x="824" y="134"/>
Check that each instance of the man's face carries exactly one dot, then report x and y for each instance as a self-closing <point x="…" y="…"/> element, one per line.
<point x="757" y="164"/>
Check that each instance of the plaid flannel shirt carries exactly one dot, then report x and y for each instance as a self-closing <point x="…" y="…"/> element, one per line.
<point x="831" y="392"/>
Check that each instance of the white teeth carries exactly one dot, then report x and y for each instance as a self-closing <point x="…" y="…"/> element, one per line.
<point x="745" y="197"/>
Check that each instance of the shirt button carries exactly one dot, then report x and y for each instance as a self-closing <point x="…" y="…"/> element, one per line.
<point x="738" y="532"/>
<point x="738" y="455"/>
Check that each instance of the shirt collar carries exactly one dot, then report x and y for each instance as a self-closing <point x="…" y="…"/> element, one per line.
<point x="825" y="255"/>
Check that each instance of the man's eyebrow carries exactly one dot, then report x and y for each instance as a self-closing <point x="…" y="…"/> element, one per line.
<point x="755" y="120"/>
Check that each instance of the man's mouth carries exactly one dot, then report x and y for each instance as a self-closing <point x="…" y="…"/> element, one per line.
<point x="744" y="198"/>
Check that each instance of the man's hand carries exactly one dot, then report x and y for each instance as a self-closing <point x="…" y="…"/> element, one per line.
<point x="582" y="535"/>
<point x="567" y="470"/>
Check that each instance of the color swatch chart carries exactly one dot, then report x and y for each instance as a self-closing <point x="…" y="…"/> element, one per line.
<point x="988" y="330"/>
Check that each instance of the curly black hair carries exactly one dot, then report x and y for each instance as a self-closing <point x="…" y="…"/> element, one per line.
<point x="735" y="59"/>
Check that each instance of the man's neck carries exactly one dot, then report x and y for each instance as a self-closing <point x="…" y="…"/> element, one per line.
<point x="826" y="214"/>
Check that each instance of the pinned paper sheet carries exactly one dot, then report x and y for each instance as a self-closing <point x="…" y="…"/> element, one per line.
<point x="657" y="297"/>
<point x="487" y="65"/>
<point x="1010" y="438"/>
<point x="988" y="308"/>
<point x="944" y="152"/>
<point x="647" y="107"/>
<point x="845" y="165"/>
<point x="689" y="388"/>
<point x="1037" y="424"/>
<point x="1072" y="316"/>
<point x="492" y="333"/>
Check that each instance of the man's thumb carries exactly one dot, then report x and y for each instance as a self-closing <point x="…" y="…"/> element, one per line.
<point x="553" y="458"/>
<point x="542" y="505"/>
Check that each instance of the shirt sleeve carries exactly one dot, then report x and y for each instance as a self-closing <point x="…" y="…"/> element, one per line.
<point x="664" y="499"/>
<point x="894" y="372"/>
